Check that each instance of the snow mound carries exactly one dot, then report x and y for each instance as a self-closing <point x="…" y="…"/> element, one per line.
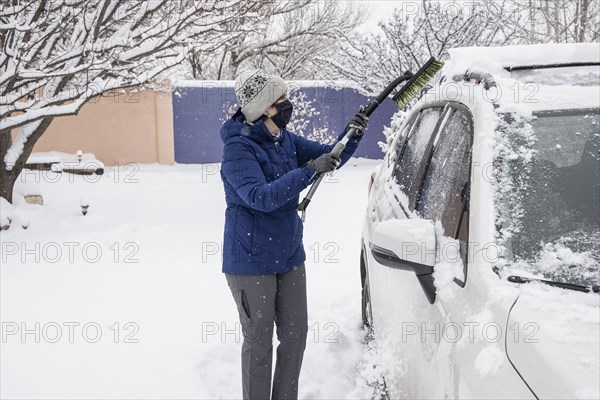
<point x="28" y="189"/>
<point x="62" y="161"/>
<point x="48" y="157"/>
<point x="6" y="210"/>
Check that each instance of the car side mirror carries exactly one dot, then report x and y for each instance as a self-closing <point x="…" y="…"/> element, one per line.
<point x="409" y="245"/>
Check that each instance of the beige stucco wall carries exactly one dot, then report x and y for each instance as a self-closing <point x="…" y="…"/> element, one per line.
<point x="118" y="129"/>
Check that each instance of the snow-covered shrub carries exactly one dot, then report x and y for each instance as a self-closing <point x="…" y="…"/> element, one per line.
<point x="304" y="114"/>
<point x="228" y="110"/>
<point x="84" y="204"/>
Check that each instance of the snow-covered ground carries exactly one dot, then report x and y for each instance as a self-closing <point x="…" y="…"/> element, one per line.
<point x="130" y="300"/>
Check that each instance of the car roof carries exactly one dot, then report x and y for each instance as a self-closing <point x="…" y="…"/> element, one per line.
<point x="515" y="95"/>
<point x="526" y="55"/>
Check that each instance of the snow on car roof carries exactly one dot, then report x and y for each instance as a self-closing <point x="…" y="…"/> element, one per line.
<point x="535" y="54"/>
<point x="516" y="95"/>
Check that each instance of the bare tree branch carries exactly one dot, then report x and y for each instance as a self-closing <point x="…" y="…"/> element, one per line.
<point x="57" y="55"/>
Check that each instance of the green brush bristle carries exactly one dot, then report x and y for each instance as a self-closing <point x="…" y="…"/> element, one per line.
<point x="414" y="86"/>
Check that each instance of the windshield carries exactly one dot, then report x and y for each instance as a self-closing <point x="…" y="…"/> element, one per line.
<point x="548" y="194"/>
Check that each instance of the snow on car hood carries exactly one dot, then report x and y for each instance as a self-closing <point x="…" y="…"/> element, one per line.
<point x="553" y="340"/>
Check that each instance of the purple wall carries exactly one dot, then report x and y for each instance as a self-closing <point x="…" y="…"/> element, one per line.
<point x="200" y="108"/>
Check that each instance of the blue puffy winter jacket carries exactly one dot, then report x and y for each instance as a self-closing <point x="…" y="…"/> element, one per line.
<point x="263" y="177"/>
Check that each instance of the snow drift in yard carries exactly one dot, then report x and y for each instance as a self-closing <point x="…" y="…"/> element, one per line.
<point x="169" y="327"/>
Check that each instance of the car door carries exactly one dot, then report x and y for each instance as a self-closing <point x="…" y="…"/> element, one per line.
<point x="429" y="180"/>
<point x="444" y="199"/>
<point x="390" y="200"/>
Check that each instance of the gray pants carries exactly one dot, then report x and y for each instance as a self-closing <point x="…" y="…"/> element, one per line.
<point x="262" y="300"/>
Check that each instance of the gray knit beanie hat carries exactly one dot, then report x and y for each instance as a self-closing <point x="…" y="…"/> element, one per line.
<point x="256" y="91"/>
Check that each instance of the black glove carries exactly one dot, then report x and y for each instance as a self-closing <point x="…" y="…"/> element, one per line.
<point x="325" y="163"/>
<point x="359" y="122"/>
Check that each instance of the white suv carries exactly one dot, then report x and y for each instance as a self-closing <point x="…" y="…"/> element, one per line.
<point x="481" y="243"/>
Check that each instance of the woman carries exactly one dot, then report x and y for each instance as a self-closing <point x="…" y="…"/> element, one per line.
<point x="264" y="169"/>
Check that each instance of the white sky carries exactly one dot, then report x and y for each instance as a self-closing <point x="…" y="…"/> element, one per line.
<point x="378" y="10"/>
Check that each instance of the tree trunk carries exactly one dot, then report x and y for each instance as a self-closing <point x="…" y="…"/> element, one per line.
<point x="6" y="180"/>
<point x="532" y="27"/>
<point x="9" y="177"/>
<point x="583" y="21"/>
<point x="219" y="73"/>
<point x="556" y="23"/>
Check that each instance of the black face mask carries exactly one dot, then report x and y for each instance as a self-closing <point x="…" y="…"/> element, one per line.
<point x="284" y="113"/>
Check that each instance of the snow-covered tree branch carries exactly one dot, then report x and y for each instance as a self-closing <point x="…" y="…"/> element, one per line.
<point x="287" y="42"/>
<point x="560" y="21"/>
<point x="57" y="55"/>
<point x="410" y="38"/>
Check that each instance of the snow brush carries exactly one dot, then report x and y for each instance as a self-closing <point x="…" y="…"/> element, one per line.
<point x="413" y="86"/>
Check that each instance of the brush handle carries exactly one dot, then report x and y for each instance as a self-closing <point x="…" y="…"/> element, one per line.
<point x="337" y="150"/>
<point x="341" y="144"/>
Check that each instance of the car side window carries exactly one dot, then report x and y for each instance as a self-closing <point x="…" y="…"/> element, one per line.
<point x="413" y="149"/>
<point x="445" y="192"/>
